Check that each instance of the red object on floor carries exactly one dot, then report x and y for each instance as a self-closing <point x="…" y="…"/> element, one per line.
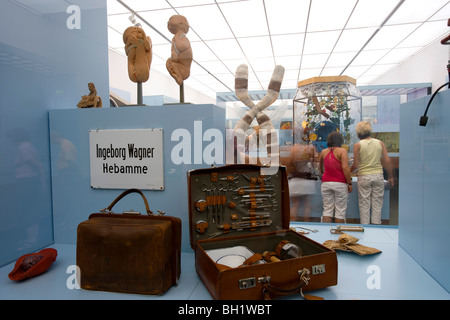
<point x="33" y="264"/>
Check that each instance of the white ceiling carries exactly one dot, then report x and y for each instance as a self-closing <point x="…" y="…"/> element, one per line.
<point x="359" y="38"/>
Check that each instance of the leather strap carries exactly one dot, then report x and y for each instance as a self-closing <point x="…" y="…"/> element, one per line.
<point x="253" y="259"/>
<point x="126" y="192"/>
<point x="280" y="246"/>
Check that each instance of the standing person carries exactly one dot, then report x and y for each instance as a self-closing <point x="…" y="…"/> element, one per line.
<point x="370" y="156"/>
<point x="302" y="183"/>
<point x="336" y="179"/>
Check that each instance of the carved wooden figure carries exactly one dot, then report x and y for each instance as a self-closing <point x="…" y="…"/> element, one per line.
<point x="179" y="64"/>
<point x="138" y="48"/>
<point x="91" y="100"/>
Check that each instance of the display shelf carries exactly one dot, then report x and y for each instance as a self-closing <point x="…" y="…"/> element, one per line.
<point x="400" y="277"/>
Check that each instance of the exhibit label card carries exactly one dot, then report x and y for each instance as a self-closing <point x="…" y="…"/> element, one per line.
<point x="125" y="159"/>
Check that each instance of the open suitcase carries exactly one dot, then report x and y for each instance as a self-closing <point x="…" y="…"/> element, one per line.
<point x="239" y="220"/>
<point x="129" y="252"/>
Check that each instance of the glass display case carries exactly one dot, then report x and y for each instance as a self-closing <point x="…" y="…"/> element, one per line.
<point x="323" y="105"/>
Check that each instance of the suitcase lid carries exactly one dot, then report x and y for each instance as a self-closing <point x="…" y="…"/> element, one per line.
<point x="235" y="200"/>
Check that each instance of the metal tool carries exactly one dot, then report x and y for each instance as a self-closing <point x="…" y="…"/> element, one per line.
<point x="259" y="205"/>
<point x="242" y="191"/>
<point x="250" y="201"/>
<point x="246" y="225"/>
<point x="266" y="206"/>
<point x="340" y="229"/>
<point x="260" y="178"/>
<point x="254" y="188"/>
<point x="207" y="191"/>
<point x="312" y="230"/>
<point x="222" y="200"/>
<point x="263" y="216"/>
<point x="249" y="187"/>
<point x="214" y="203"/>
<point x="259" y="195"/>
<point x="299" y="231"/>
<point x="233" y="178"/>
<point x="253" y="196"/>
<point x="242" y="211"/>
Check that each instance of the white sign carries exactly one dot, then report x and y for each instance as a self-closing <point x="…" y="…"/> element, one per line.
<point x="124" y="159"/>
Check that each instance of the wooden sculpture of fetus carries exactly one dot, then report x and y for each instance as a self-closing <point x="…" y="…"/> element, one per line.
<point x="138" y="48"/>
<point x="179" y="64"/>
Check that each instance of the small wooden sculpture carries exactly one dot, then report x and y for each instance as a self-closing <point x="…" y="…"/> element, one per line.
<point x="91" y="100"/>
<point x="179" y="64"/>
<point x="138" y="48"/>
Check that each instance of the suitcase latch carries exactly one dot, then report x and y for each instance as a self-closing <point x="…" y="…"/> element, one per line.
<point x="318" y="269"/>
<point x="247" y="283"/>
<point x="264" y="279"/>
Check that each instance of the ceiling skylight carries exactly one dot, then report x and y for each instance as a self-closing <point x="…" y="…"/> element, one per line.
<point x="308" y="37"/>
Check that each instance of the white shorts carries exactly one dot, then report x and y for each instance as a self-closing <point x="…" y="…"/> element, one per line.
<point x="370" y="198"/>
<point x="301" y="187"/>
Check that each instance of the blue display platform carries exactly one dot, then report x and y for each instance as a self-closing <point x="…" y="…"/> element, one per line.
<point x="389" y="275"/>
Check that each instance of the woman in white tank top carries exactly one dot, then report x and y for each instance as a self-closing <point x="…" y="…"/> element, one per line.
<point x="370" y="156"/>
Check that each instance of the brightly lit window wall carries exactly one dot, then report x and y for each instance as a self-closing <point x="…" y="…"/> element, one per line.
<point x="380" y="105"/>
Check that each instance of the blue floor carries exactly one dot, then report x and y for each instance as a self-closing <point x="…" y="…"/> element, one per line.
<point x="390" y="275"/>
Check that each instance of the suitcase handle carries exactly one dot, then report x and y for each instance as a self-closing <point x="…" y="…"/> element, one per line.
<point x="270" y="289"/>
<point x="126" y="192"/>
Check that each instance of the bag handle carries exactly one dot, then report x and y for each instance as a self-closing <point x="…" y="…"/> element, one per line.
<point x="123" y="194"/>
<point x="270" y="289"/>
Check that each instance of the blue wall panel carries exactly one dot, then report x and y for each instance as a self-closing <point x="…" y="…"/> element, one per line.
<point x="44" y="65"/>
<point x="424" y="218"/>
